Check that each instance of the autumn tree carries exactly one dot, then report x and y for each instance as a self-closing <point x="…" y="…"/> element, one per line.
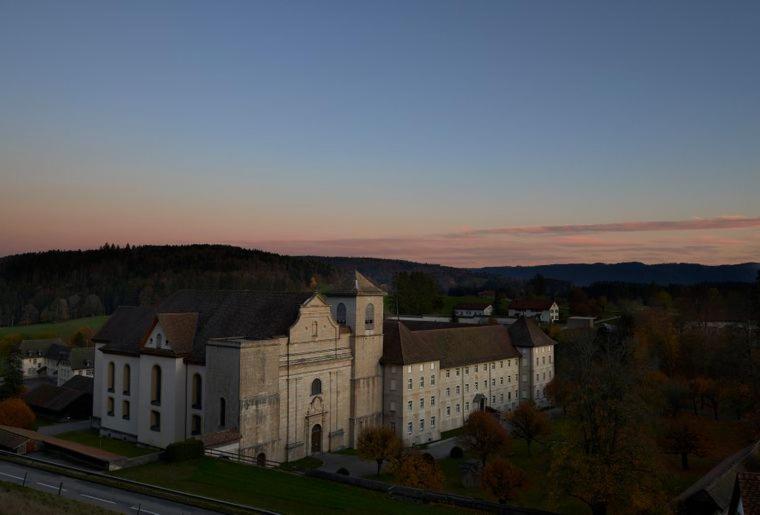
<point x="15" y="412"/>
<point x="500" y="479"/>
<point x="415" y="470"/>
<point x="528" y="423"/>
<point x="82" y="338"/>
<point x="684" y="437"/>
<point x="560" y="392"/>
<point x="379" y="444"/>
<point x="484" y="436"/>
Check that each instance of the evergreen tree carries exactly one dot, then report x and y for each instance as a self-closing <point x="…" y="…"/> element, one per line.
<point x="13" y="380"/>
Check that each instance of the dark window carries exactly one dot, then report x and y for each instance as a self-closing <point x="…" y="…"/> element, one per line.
<point x="197" y="391"/>
<point x="369" y="317"/>
<point x="155" y="421"/>
<point x="222" y="412"/>
<point x="316" y="387"/>
<point x="110" y="407"/>
<point x="111" y="368"/>
<point x="155" y="385"/>
<point x="126" y="380"/>
<point x="196" y="425"/>
<point x="125" y="410"/>
<point x="341" y="313"/>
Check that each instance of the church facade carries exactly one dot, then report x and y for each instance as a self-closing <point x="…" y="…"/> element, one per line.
<point x="280" y="376"/>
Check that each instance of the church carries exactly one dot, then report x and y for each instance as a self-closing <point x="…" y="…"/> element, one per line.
<point x="280" y="376"/>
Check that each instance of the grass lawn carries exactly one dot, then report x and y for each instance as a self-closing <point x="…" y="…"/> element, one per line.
<point x="272" y="489"/>
<point x="307" y="463"/>
<point x="90" y="437"/>
<point x="64" y="330"/>
<point x="19" y="499"/>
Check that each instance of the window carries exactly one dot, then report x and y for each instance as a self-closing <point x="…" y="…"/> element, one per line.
<point x="316" y="387"/>
<point x="222" y="412"/>
<point x="493" y="366"/>
<point x="110" y="376"/>
<point x="432" y="380"/>
<point x="448" y="392"/>
<point x="314" y="329"/>
<point x="466" y="407"/>
<point x="155" y="385"/>
<point x="422" y="382"/>
<point x="341" y="313"/>
<point x="457" y="389"/>
<point x="155" y="421"/>
<point x="409" y="384"/>
<point x="448" y="410"/>
<point x="476" y="386"/>
<point x="457" y="372"/>
<point x="493" y="399"/>
<point x="126" y="380"/>
<point x="159" y="340"/>
<point x="432" y="400"/>
<point x="409" y="428"/>
<point x="467" y="370"/>
<point x="467" y="387"/>
<point x="509" y="396"/>
<point x="493" y="382"/>
<point x="476" y="368"/>
<point x="110" y="407"/>
<point x="501" y="364"/>
<point x="458" y="409"/>
<point x="432" y="422"/>
<point x="501" y="380"/>
<point x="409" y="369"/>
<point x="422" y="424"/>
<point x="448" y="373"/>
<point x="422" y="403"/>
<point x="543" y="360"/>
<point x="509" y="379"/>
<point x="125" y="410"/>
<point x="422" y="367"/>
<point x="410" y="405"/>
<point x="195" y="425"/>
<point x="536" y="376"/>
<point x="197" y="391"/>
<point x="485" y="385"/>
<point x="432" y="366"/>
<point x="369" y="317"/>
<point x="501" y="397"/>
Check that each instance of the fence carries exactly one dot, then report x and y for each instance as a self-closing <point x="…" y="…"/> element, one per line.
<point x="240" y="458"/>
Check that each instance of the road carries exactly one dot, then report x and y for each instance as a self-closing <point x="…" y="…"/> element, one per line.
<point x="113" y="499"/>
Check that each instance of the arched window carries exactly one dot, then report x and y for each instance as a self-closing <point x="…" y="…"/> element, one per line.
<point x="155" y="385"/>
<point x="126" y="380"/>
<point x="341" y="313"/>
<point x="261" y="460"/>
<point x="369" y="317"/>
<point x="111" y="368"/>
<point x="159" y="340"/>
<point x="222" y="412"/>
<point x="316" y="387"/>
<point x="197" y="391"/>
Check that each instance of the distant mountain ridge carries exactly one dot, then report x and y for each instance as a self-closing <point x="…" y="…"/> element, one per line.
<point x="634" y="272"/>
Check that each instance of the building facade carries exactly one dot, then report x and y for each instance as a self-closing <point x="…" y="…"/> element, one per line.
<point x="545" y="311"/>
<point x="52" y="359"/>
<point x="280" y="376"/>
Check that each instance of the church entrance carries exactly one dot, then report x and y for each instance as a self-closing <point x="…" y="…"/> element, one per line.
<point x="316" y="439"/>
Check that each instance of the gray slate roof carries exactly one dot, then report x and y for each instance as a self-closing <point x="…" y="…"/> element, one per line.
<point x="525" y="332"/>
<point x="82" y="358"/>
<point x="252" y="315"/>
<point x="52" y="348"/>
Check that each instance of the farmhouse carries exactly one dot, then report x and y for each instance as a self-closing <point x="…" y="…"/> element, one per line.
<point x="545" y="311"/>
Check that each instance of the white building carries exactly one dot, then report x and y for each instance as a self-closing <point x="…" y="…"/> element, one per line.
<point x="545" y="311"/>
<point x="475" y="309"/>
<point x="52" y="359"/>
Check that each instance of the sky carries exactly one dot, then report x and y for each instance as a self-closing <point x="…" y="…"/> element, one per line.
<point x="465" y="133"/>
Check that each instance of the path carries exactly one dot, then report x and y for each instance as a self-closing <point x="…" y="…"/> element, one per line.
<point x="64" y="427"/>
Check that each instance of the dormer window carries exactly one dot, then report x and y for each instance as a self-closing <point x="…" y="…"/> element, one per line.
<point x="159" y="340"/>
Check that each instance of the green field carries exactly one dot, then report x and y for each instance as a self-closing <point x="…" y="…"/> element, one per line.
<point x="63" y="330"/>
<point x="272" y="489"/>
<point x="90" y="437"/>
<point x="18" y="499"/>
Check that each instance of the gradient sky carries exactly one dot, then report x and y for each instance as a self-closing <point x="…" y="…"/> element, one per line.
<point x="463" y="133"/>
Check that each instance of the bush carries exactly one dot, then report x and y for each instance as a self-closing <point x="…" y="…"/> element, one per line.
<point x="15" y="412"/>
<point x="343" y="471"/>
<point x="428" y="457"/>
<point x="456" y="452"/>
<point x="182" y="451"/>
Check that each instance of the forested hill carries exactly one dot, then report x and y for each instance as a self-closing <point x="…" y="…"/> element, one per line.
<point x="669" y="273"/>
<point x="57" y="285"/>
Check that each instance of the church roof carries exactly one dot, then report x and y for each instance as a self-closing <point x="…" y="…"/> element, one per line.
<point x="354" y="284"/>
<point x="193" y="317"/>
<point x="526" y="333"/>
<point x="452" y="345"/>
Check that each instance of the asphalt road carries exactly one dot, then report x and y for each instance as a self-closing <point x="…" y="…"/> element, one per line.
<point x="113" y="499"/>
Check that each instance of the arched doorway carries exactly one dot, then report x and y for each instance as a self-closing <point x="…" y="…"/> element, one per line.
<point x="261" y="460"/>
<point x="480" y="402"/>
<point x="316" y="439"/>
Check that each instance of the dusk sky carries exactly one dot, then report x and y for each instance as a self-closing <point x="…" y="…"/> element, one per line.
<point x="463" y="133"/>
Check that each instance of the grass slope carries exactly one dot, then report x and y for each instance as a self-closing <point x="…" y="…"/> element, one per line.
<point x="64" y="330"/>
<point x="15" y="499"/>
<point x="272" y="489"/>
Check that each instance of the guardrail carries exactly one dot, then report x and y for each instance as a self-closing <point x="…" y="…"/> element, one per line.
<point x="114" y="481"/>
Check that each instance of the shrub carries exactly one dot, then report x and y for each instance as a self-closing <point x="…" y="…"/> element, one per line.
<point x="15" y="412"/>
<point x="182" y="451"/>
<point x="456" y="452"/>
<point x="413" y="470"/>
<point x="343" y="471"/>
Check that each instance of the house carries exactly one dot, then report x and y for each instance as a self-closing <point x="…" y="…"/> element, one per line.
<point x="280" y="376"/>
<point x="545" y="311"/>
<point x="52" y="359"/>
<point x="473" y="309"/>
<point x="746" y="497"/>
<point x="11" y="442"/>
<point x="72" y="400"/>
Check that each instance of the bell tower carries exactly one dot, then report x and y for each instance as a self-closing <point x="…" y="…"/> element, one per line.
<point x="357" y="303"/>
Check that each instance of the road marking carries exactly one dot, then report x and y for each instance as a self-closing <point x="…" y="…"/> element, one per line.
<point x="11" y="475"/>
<point x="143" y="510"/>
<point x="97" y="498"/>
<point x="54" y="487"/>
